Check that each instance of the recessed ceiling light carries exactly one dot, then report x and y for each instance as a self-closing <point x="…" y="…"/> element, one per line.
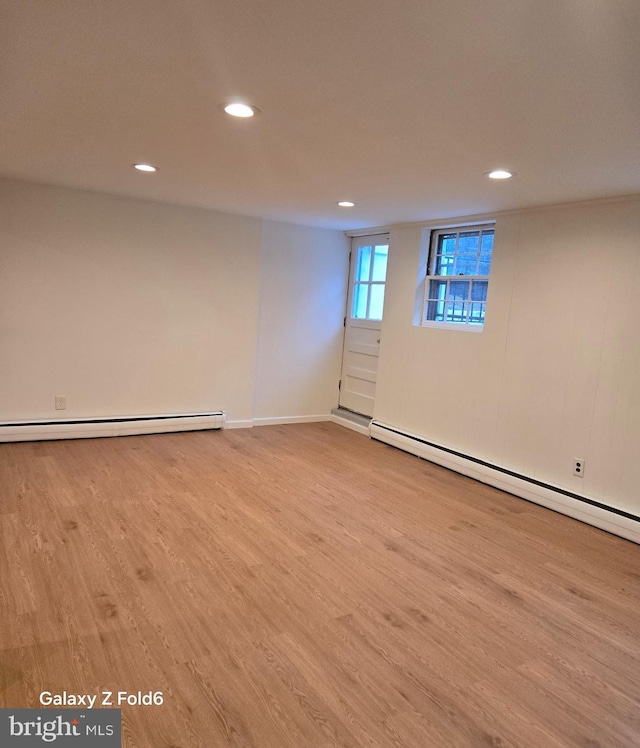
<point x="499" y="174"/>
<point x="346" y="204"/>
<point x="240" y="110"/>
<point x="145" y="167"/>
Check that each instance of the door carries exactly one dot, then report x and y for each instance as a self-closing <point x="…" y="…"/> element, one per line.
<point x="368" y="273"/>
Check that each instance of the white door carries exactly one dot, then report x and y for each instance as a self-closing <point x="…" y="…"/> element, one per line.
<point x="368" y="273"/>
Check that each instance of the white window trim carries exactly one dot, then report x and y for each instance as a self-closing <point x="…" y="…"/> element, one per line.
<point x="459" y="326"/>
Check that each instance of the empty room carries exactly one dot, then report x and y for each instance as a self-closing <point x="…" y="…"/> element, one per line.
<point x="320" y="374"/>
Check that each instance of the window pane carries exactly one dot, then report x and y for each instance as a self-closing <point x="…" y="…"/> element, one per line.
<point x="376" y="302"/>
<point x="468" y="242"/>
<point x="435" y="311"/>
<point x="459" y="290"/>
<point x="435" y="303"/>
<point x="485" y="264"/>
<point x="487" y="241"/>
<point x="456" y="311"/>
<point x="363" y="264"/>
<point x="446" y="244"/>
<point x="437" y="289"/>
<point x="476" y="313"/>
<point x="465" y="265"/>
<point x="479" y="290"/>
<point x="485" y="253"/>
<point x="359" y="310"/>
<point x="380" y="255"/>
<point x="444" y="265"/>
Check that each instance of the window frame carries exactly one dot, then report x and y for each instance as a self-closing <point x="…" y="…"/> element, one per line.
<point x="431" y="276"/>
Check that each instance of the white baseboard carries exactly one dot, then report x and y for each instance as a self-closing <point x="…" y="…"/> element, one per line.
<point x="90" y="428"/>
<point x="290" y="419"/>
<point x="579" y="507"/>
<point x="350" y="424"/>
<point x="243" y="424"/>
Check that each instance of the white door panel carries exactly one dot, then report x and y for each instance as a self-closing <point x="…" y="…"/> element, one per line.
<point x="364" y="349"/>
<point x="363" y="323"/>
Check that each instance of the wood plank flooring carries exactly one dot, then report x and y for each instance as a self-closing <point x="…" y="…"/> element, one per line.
<point x="301" y="586"/>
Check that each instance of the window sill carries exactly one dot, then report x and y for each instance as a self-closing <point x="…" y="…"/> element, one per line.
<point x="452" y="326"/>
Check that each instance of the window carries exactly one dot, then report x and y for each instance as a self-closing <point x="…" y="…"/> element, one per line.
<point x="369" y="277"/>
<point x="458" y="276"/>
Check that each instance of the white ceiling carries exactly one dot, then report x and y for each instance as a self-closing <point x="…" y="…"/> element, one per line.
<point x="400" y="105"/>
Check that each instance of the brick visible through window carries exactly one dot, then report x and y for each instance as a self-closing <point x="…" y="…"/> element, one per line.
<point x="458" y="275"/>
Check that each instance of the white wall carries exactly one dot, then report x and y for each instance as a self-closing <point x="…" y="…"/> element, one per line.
<point x="304" y="286"/>
<point x="133" y="307"/>
<point x="556" y="372"/>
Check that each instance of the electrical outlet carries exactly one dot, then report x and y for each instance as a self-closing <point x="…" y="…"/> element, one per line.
<point x="578" y="466"/>
<point x="61" y="402"/>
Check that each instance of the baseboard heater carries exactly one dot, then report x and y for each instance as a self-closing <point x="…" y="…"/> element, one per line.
<point x="87" y="428"/>
<point x="613" y="520"/>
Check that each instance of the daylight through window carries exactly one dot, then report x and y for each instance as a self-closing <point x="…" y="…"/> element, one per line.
<point x="370" y="274"/>
<point x="458" y="275"/>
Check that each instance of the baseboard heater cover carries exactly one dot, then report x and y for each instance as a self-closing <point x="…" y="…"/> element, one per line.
<point x="613" y="520"/>
<point x="87" y="428"/>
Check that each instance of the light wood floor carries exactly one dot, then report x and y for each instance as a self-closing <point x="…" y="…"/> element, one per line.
<point x="303" y="586"/>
